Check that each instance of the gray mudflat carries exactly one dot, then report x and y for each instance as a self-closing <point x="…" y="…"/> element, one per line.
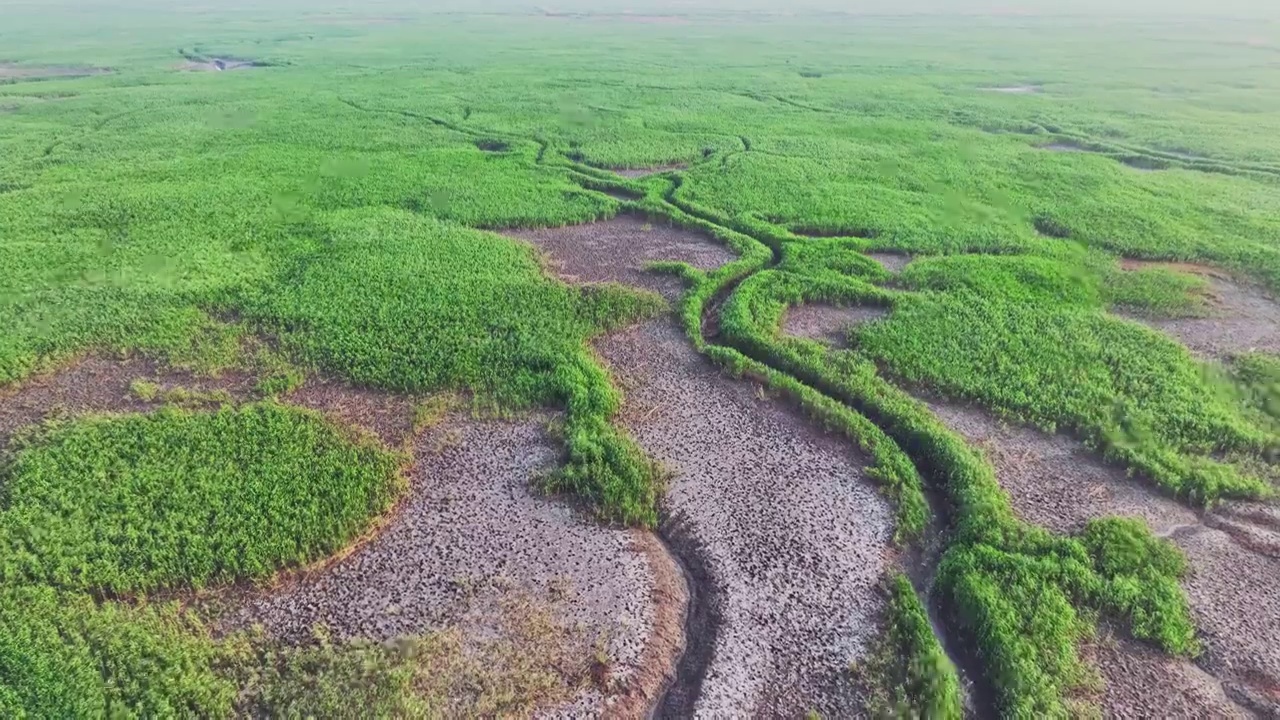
<point x="830" y="324"/>
<point x="470" y="531"/>
<point x="102" y="385"/>
<point x="1141" y="681"/>
<point x="893" y="262"/>
<point x="1242" y="318"/>
<point x="1055" y="482"/>
<point x="618" y="250"/>
<point x="790" y="534"/>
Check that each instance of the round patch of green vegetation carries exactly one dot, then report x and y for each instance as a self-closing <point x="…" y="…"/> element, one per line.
<point x="135" y="503"/>
<point x="63" y="656"/>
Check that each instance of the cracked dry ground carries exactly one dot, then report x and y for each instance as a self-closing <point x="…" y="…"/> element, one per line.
<point x="785" y="537"/>
<point x="471" y="551"/>
<point x="473" y="534"/>
<point x="1241" y="317"/>
<point x="1232" y="552"/>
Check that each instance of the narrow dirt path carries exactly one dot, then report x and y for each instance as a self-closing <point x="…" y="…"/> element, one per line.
<point x="891" y="261"/>
<point x="1055" y="482"/>
<point x="96" y="384"/>
<point x="646" y="172"/>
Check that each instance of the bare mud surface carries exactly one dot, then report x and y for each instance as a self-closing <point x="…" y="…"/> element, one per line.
<point x="1142" y="163"/>
<point x="1055" y="482"/>
<point x="104" y="385"/>
<point x="1141" y="681"/>
<point x="646" y="172"/>
<point x="891" y="261"/>
<point x="1242" y="317"/>
<point x="473" y="530"/>
<point x="785" y="535"/>
<point x="387" y="415"/>
<point x="829" y="324"/>
<point x="618" y="250"/>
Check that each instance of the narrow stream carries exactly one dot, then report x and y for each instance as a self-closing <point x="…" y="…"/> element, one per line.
<point x="920" y="563"/>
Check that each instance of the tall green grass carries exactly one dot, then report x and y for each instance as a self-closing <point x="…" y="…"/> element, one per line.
<point x="334" y="200"/>
<point x="63" y="655"/>
<point x="1023" y="596"/>
<point x="177" y="499"/>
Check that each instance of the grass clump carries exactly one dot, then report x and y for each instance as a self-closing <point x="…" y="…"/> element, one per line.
<point x="603" y="467"/>
<point x="1255" y="380"/>
<point x="1024" y="597"/>
<point x="1140" y="576"/>
<point x="136" y="503"/>
<point x="1158" y="292"/>
<point x="145" y="390"/>
<point x="411" y="304"/>
<point x="1124" y="389"/>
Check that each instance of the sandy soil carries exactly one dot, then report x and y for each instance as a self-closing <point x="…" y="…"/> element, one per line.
<point x="471" y="532"/>
<point x="1242" y="316"/>
<point x="102" y="385"/>
<point x="646" y="172"/>
<point x="1055" y="482"/>
<point x="618" y="250"/>
<point x="783" y="531"/>
<point x="829" y="324"/>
